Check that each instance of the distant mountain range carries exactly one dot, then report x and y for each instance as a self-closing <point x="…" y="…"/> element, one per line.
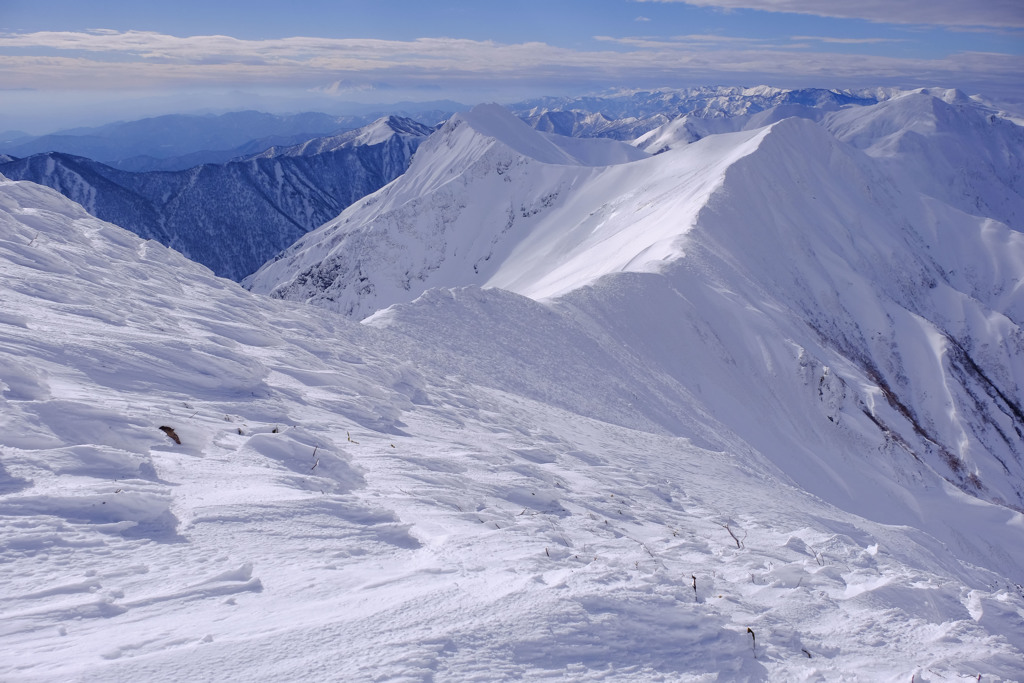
<point x="180" y="141"/>
<point x="629" y="114"/>
<point x="229" y="207"/>
<point x="233" y="217"/>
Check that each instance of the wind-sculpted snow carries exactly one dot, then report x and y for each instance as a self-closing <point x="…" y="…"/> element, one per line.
<point x="197" y="483"/>
<point x="233" y="217"/>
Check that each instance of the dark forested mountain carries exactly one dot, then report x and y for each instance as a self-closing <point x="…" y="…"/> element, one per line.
<point x="232" y="217"/>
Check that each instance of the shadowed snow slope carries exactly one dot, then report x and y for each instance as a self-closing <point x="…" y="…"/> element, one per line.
<point x="840" y="342"/>
<point x="759" y="388"/>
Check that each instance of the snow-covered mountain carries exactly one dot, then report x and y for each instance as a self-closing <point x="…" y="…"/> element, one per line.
<point x="956" y="148"/>
<point x="474" y="189"/>
<point x="780" y="258"/>
<point x="233" y="217"/>
<point x="950" y="146"/>
<point x="478" y="484"/>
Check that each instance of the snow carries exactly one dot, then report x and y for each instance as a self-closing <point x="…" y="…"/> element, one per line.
<point x="781" y="247"/>
<point x="953" y="148"/>
<point x="680" y="405"/>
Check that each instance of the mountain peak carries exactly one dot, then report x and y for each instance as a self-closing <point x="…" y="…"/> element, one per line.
<point x="494" y="121"/>
<point x="387" y="127"/>
<point x="375" y="133"/>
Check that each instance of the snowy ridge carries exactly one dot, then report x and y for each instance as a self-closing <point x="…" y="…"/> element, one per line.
<point x="417" y="232"/>
<point x="516" y="504"/>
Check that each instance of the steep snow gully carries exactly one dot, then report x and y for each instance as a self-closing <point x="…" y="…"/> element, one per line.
<point x="745" y="410"/>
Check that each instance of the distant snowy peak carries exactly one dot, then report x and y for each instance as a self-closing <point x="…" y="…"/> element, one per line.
<point x="389" y="126"/>
<point x="376" y="133"/>
<point x="950" y="146"/>
<point x="656" y="121"/>
<point x="688" y="129"/>
<point x="642" y="110"/>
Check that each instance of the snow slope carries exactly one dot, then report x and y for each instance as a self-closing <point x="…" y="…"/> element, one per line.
<point x="427" y="501"/>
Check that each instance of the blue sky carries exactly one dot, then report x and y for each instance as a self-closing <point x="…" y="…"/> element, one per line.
<point x="71" y="62"/>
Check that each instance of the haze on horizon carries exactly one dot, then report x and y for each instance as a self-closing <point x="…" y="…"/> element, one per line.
<point x="66" y="64"/>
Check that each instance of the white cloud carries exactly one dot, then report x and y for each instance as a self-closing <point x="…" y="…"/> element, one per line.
<point x="642" y="19"/>
<point x="123" y="61"/>
<point x="699" y="40"/>
<point x="995" y="13"/>
<point x="848" y="41"/>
